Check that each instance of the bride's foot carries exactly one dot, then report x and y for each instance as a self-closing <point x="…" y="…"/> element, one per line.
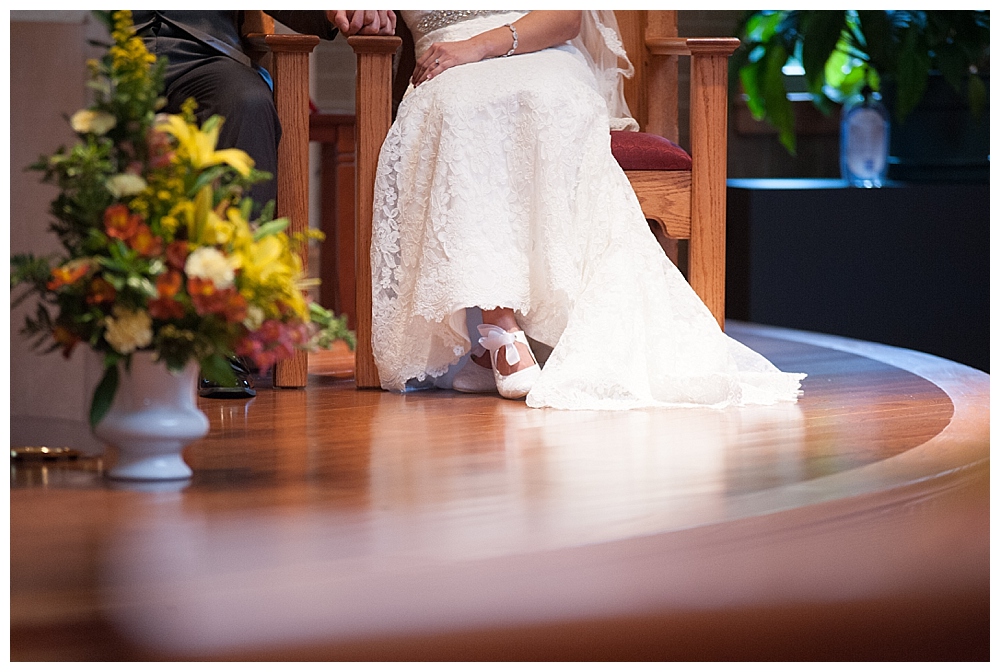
<point x="517" y="369"/>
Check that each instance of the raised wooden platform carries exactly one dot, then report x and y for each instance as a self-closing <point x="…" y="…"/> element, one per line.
<point x="331" y="523"/>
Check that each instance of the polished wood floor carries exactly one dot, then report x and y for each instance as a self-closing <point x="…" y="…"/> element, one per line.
<point x="335" y="524"/>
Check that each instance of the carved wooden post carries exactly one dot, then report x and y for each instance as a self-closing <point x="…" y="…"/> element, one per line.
<point x="661" y="116"/>
<point x="373" y="112"/>
<point x="290" y="71"/>
<point x="709" y="108"/>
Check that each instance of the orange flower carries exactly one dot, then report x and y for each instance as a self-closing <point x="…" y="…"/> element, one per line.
<point x="177" y="253"/>
<point x="120" y="223"/>
<point x="235" y="309"/>
<point x="205" y="297"/>
<point x="144" y="242"/>
<point x="66" y="338"/>
<point x="168" y="284"/>
<point x="100" y="291"/>
<point x="68" y="274"/>
<point x="228" y="302"/>
<point x="165" y="308"/>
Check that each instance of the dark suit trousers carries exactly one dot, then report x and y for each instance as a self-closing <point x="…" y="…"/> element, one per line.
<point x="225" y="87"/>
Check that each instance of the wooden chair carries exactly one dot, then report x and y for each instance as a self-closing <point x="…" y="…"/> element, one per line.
<point x="684" y="196"/>
<point x="286" y="57"/>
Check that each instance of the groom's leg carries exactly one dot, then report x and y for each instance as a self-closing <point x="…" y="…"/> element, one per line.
<point x="225" y="87"/>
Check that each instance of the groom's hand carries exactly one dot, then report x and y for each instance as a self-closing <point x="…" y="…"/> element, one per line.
<point x="363" y="21"/>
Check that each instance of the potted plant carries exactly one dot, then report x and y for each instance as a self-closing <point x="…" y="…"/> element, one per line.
<point x="910" y="57"/>
<point x="162" y="271"/>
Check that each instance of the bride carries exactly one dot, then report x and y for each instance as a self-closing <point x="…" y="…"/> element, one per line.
<point x="497" y="192"/>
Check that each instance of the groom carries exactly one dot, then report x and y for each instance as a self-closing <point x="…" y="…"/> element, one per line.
<point x="206" y="62"/>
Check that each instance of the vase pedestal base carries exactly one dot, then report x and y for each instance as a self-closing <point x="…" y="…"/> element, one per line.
<point x="162" y="464"/>
<point x="153" y="417"/>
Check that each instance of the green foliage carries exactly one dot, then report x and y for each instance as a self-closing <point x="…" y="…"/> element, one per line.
<point x="159" y="249"/>
<point x="330" y="328"/>
<point x="842" y="52"/>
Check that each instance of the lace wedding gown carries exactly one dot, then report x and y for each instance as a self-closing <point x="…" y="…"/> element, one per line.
<point x="496" y="187"/>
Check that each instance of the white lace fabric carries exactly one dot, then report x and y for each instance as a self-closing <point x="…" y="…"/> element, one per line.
<point x="496" y="187"/>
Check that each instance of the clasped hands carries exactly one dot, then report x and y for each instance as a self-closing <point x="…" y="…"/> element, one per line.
<point x="363" y="21"/>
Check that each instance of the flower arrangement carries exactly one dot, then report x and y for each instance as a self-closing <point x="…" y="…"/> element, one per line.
<point x="159" y="250"/>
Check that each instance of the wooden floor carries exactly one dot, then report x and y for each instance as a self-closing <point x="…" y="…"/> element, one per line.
<point x="331" y="523"/>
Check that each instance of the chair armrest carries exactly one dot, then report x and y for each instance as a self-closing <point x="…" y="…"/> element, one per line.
<point x="280" y="42"/>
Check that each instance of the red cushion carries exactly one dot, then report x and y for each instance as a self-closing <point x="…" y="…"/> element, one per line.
<point x="644" y="151"/>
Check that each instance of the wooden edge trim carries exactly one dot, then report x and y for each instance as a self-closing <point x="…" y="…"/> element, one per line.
<point x="686" y="46"/>
<point x="283" y="42"/>
<point x="374" y="44"/>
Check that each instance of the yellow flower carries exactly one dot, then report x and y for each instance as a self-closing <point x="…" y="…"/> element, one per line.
<point x="269" y="273"/>
<point x="199" y="145"/>
<point x="92" y="121"/>
<point x="128" y="330"/>
<point x="219" y="231"/>
<point x="169" y="224"/>
<point x="214" y="231"/>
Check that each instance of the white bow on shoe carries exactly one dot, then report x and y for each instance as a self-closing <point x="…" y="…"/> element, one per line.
<point x="517" y="384"/>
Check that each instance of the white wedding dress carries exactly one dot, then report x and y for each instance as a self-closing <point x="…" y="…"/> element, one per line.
<point x="496" y="187"/>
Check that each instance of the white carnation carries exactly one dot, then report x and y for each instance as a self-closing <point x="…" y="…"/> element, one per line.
<point x="92" y="121"/>
<point x="210" y="264"/>
<point x="125" y="184"/>
<point x="128" y="330"/>
<point x="255" y="317"/>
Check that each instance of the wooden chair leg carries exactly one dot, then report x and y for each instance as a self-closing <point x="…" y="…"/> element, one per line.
<point x="373" y="102"/>
<point x="707" y="253"/>
<point x="290" y="69"/>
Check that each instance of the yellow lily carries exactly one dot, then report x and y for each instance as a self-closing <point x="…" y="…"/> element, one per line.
<point x="199" y="144"/>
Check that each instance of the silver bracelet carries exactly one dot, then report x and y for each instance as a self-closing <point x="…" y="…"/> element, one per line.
<point x="514" y="31"/>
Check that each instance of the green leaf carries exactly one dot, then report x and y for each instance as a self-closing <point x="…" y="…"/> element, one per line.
<point x="246" y="209"/>
<point x="979" y="96"/>
<point x="329" y="328"/>
<point x="270" y="228"/>
<point x="779" y="109"/>
<point x="911" y="73"/>
<point x="755" y="99"/>
<point x="844" y="74"/>
<point x="207" y="177"/>
<point x="104" y="395"/>
<point x="267" y="212"/>
<point x="211" y="123"/>
<point x="143" y="285"/>
<point x="217" y="369"/>
<point x="821" y="31"/>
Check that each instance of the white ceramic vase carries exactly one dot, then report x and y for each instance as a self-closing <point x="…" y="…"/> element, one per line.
<point x="153" y="417"/>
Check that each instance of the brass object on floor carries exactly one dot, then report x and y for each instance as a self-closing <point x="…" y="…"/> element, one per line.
<point x="43" y="453"/>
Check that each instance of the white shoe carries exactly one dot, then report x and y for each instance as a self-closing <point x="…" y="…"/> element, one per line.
<point x="517" y="384"/>
<point x="474" y="379"/>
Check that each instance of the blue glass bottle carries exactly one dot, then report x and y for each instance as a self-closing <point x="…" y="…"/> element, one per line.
<point x="864" y="140"/>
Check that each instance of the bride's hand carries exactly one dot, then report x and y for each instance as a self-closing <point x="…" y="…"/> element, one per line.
<point x="443" y="55"/>
<point x="538" y="30"/>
